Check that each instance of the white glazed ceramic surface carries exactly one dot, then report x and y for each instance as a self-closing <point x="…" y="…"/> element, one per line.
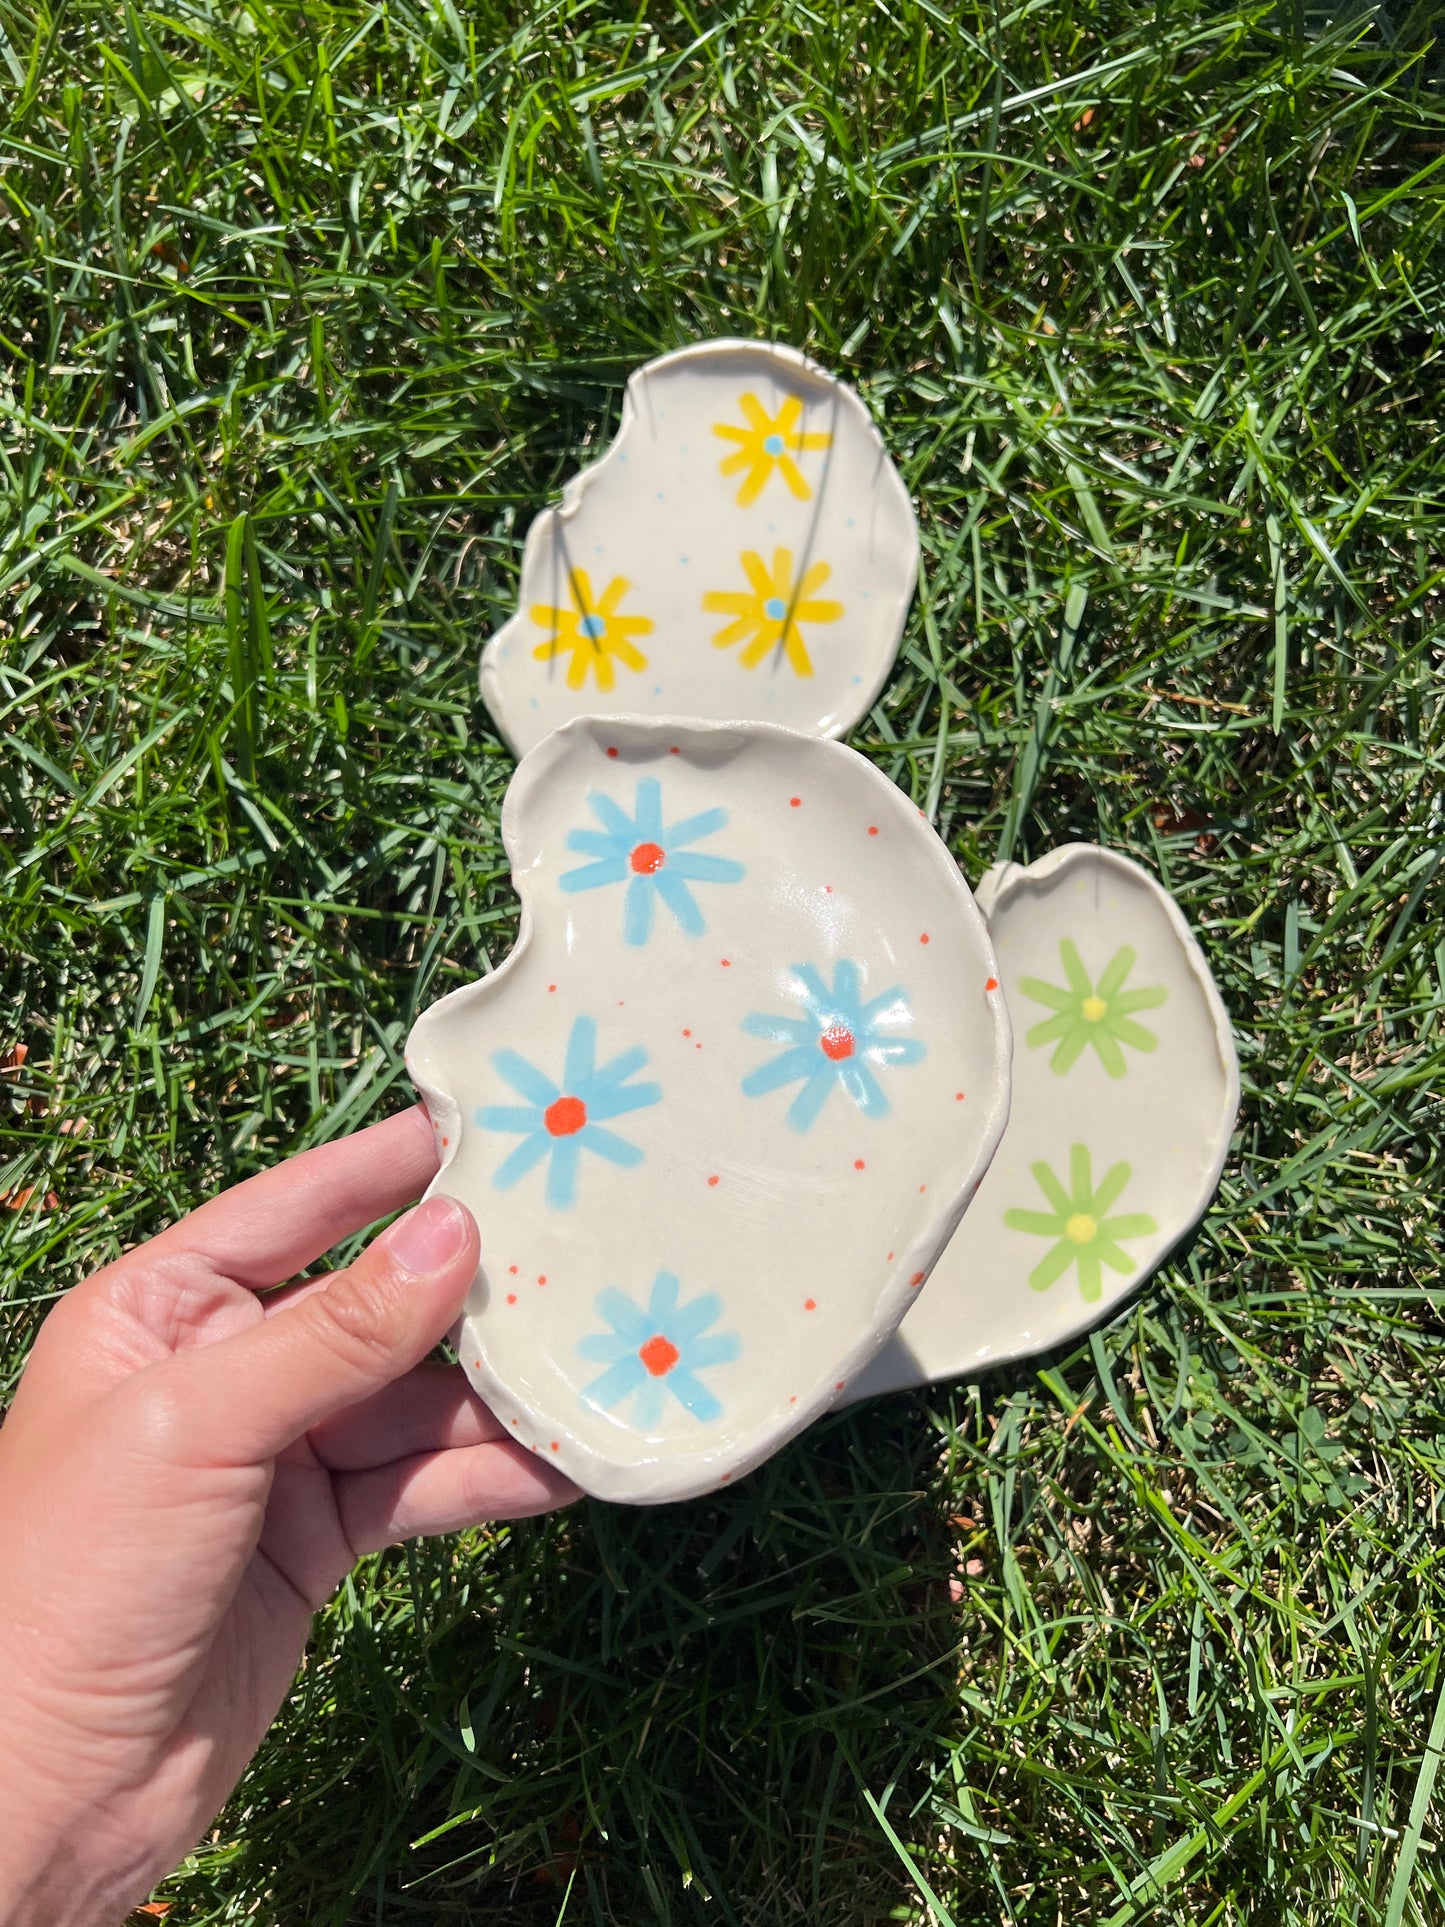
<point x="721" y="1108"/>
<point x="1125" y="1088"/>
<point x="744" y="550"/>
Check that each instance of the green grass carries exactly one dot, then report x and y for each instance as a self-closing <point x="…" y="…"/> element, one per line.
<point x="305" y="313"/>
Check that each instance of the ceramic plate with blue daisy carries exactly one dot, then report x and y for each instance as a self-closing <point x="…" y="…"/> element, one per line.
<point x="720" y="1109"/>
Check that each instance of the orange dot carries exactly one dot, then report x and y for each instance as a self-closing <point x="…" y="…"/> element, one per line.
<point x="659" y="1355"/>
<point x="921" y="1189"/>
<point x="555" y="1446"/>
<point x="478" y="1363"/>
<point x="795" y="802"/>
<point x="512" y="1269"/>
<point x="858" y="1164"/>
<point x="697" y="1046"/>
<point x="516" y="1421"/>
<point x="828" y="889"/>
<point x="648" y="858"/>
<point x="511" y="1298"/>
<point x="916" y="1279"/>
<point x="924" y="937"/>
<point x="992" y="984"/>
<point x="839" y="1386"/>
<point x="565" y="1117"/>
<point x="727" y="963"/>
<point x="674" y="751"/>
<point x="810" y="1304"/>
<point x="726" y="1476"/>
<point x="541" y="1277"/>
<point x="687" y="1033"/>
<point x="794" y="1399"/>
<point x="445" y="1142"/>
<point x="551" y="986"/>
<point x="958" y="1097"/>
<point x="712" y="1180"/>
<point x="890" y="1258"/>
<point x="837" y="1042"/>
<point x="872" y="829"/>
<point x="611" y="752"/>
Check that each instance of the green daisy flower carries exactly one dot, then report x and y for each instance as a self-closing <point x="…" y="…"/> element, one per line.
<point x="1087" y="1236"/>
<point x="1100" y="1014"/>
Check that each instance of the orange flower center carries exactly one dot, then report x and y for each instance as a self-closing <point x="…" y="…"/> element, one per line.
<point x="566" y="1117"/>
<point x="648" y="858"/>
<point x="659" y="1355"/>
<point x="836" y="1042"/>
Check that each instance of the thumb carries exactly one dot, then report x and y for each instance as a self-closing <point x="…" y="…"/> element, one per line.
<point x="247" y="1398"/>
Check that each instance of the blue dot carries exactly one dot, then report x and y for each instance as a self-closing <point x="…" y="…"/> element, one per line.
<point x="592" y="627"/>
<point x="534" y="702"/>
<point x="660" y="496"/>
<point x="773" y="445"/>
<point x="657" y="689"/>
<point x="597" y="549"/>
<point x="683" y="560"/>
<point x="857" y="679"/>
<point x="850" y="521"/>
<point x="775" y="608"/>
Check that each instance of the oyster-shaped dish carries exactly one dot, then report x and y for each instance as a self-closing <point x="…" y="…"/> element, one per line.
<point x="744" y="549"/>
<point x="1125" y="1088"/>
<point x="721" y="1108"/>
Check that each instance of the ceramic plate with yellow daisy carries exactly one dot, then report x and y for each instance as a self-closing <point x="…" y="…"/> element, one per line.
<point x="745" y="550"/>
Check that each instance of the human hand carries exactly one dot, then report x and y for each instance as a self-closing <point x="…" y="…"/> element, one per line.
<point x="186" y="1474"/>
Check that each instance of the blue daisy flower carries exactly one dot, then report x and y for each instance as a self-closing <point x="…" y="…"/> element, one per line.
<point x="653" y="856"/>
<point x="561" y="1121"/>
<point x="657" y="1349"/>
<point x="833" y="1044"/>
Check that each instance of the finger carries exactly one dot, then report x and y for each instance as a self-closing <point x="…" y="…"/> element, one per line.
<point x="277" y="1223"/>
<point x="431" y="1409"/>
<point x="284" y="1296"/>
<point x="244" y="1400"/>
<point x="445" y="1491"/>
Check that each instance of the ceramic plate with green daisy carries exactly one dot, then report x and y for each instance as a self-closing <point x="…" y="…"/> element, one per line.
<point x="1125" y="1087"/>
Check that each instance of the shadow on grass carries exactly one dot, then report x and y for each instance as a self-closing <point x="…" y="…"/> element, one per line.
<point x="666" y="1714"/>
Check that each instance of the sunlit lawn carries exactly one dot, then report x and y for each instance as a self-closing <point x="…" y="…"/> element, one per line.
<point x="305" y="313"/>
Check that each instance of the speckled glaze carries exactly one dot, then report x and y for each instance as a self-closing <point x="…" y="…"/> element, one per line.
<point x="1125" y="1089"/>
<point x="722" y="1107"/>
<point x="744" y="549"/>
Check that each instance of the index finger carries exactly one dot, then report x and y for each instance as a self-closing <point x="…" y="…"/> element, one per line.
<point x="268" y="1228"/>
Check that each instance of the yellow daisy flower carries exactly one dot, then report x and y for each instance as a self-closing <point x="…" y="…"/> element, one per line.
<point x="765" y="445"/>
<point x="592" y="630"/>
<point x="768" y="617"/>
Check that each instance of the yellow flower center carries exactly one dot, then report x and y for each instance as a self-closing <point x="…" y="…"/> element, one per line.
<point x="1080" y="1229"/>
<point x="1093" y="1008"/>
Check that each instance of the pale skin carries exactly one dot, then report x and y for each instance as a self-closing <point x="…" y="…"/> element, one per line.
<point x="192" y="1464"/>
